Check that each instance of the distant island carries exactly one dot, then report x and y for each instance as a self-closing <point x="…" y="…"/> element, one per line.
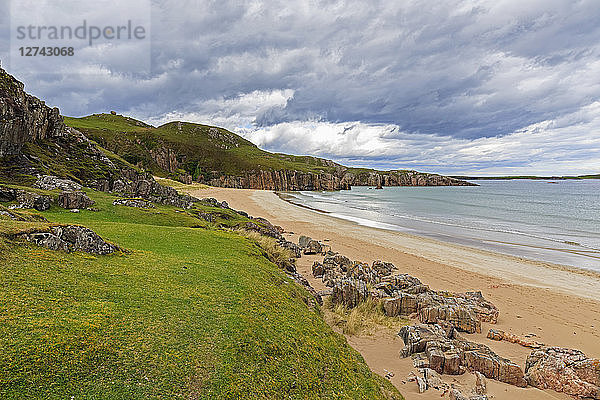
<point x="542" y="178"/>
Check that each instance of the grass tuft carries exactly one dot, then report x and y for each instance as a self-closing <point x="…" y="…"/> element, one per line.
<point x="363" y="319"/>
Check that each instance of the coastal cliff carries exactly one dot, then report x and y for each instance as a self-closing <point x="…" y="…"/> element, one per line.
<point x="190" y="152"/>
<point x="24" y="118"/>
<point x="295" y="180"/>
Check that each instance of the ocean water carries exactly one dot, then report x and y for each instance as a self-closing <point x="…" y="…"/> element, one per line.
<point x="550" y="221"/>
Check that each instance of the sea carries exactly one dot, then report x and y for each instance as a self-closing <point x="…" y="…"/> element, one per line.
<point x="555" y="221"/>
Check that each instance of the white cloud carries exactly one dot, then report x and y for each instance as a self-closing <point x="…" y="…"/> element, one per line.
<point x="566" y="145"/>
<point x="231" y="113"/>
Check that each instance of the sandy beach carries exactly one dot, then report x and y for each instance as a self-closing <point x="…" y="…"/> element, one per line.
<point x="560" y="305"/>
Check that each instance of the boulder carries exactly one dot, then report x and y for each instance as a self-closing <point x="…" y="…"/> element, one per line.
<point x="564" y="370"/>
<point x="303" y="241"/>
<point x="74" y="200"/>
<point x="71" y="238"/>
<point x="406" y="283"/>
<point x="349" y="292"/>
<point x="383" y="268"/>
<point x="317" y="269"/>
<point x="33" y="200"/>
<point x="338" y="260"/>
<point x="137" y="203"/>
<point x="313" y="247"/>
<point x="50" y="182"/>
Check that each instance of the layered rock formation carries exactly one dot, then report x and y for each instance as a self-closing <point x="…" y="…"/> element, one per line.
<point x="564" y="370"/>
<point x="447" y="353"/>
<point x="402" y="294"/>
<point x="285" y="180"/>
<point x="142" y="185"/>
<point x="24" y="118"/>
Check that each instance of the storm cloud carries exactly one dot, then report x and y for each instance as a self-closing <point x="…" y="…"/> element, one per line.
<point x="473" y="87"/>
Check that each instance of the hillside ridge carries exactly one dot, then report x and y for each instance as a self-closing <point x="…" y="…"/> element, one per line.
<point x="207" y="154"/>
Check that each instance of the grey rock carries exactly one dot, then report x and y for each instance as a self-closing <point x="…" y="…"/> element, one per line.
<point x="133" y="202"/>
<point x="71" y="200"/>
<point x="50" y="182"/>
<point x="71" y="238"/>
<point x="33" y="200"/>
<point x="349" y="292"/>
<point x="24" y="118"/>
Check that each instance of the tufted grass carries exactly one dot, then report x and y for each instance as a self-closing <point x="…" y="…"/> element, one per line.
<point x="363" y="319"/>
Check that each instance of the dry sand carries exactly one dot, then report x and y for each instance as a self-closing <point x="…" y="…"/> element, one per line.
<point x="560" y="305"/>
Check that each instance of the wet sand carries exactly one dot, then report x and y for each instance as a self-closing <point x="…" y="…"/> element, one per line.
<point x="561" y="306"/>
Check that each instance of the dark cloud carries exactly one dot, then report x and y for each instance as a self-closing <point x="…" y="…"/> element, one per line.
<point x="459" y="72"/>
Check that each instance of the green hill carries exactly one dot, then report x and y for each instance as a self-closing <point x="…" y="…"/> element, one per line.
<point x="197" y="149"/>
<point x="193" y="152"/>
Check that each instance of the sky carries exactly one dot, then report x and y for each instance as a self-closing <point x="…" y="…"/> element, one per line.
<point x="502" y="87"/>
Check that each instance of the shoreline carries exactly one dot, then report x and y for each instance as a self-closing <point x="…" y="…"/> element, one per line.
<point x="543" y="264"/>
<point x="561" y="306"/>
<point x="552" y="241"/>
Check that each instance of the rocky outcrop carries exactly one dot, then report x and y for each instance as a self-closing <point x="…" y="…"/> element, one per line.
<point x="50" y="182"/>
<point x="165" y="158"/>
<point x="402" y="294"/>
<point x="564" y="370"/>
<point x="137" y="203"/>
<point x="309" y="245"/>
<point x="25" y="199"/>
<point x="399" y="178"/>
<point x="349" y="292"/>
<point x="284" y="180"/>
<point x="465" y="311"/>
<point x="447" y="353"/>
<point x="71" y="238"/>
<point x="74" y="200"/>
<point x="134" y="184"/>
<point x="24" y="118"/>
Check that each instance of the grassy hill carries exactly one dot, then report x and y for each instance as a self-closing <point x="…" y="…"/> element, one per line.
<point x="190" y="311"/>
<point x="197" y="149"/>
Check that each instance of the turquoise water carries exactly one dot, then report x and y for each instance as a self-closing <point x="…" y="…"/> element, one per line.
<point x="551" y="221"/>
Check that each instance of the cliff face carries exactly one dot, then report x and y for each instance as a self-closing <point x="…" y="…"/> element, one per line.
<point x="294" y="180"/>
<point x="24" y="118"/>
<point x="280" y="180"/>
